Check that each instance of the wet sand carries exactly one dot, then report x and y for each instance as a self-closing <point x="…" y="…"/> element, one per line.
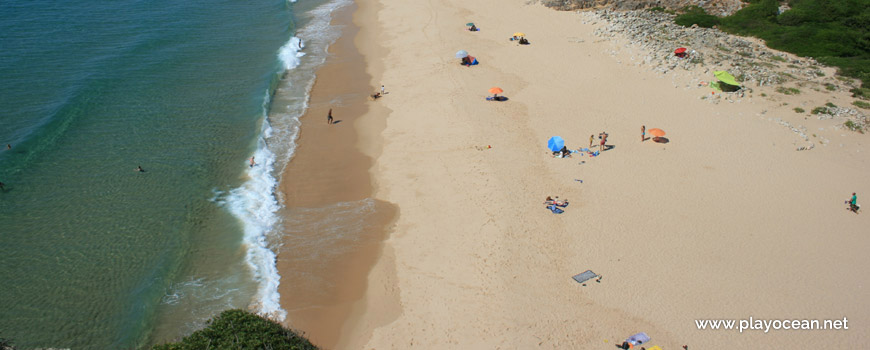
<point x="333" y="228"/>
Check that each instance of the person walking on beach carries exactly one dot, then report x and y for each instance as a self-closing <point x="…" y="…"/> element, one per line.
<point x="252" y="162"/>
<point x="642" y="133"/>
<point x="382" y="90"/>
<point x="853" y="203"/>
<point x="591" y="140"/>
<point x="329" y="117"/>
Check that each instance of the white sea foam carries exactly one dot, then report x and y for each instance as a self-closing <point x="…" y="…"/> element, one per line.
<point x="289" y="53"/>
<point x="255" y="202"/>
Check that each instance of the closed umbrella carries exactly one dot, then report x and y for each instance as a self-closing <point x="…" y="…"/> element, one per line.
<point x="461" y="54"/>
<point x="555" y="143"/>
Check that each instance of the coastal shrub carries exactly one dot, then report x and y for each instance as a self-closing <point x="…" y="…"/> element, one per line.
<point x="696" y="15"/>
<point x="853" y="126"/>
<point x="830" y="87"/>
<point x="834" y="32"/>
<point x="831" y="104"/>
<point x="778" y="58"/>
<point x="787" y="91"/>
<point x="6" y="344"/>
<point x="799" y="110"/>
<point x="862" y="93"/>
<point x="239" y="329"/>
<point x="861" y="104"/>
<point x="661" y="9"/>
<point x="820" y="110"/>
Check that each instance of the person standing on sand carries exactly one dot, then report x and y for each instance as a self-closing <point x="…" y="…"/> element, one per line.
<point x="382" y="89"/>
<point x="642" y="133"/>
<point x="329" y="117"/>
<point x="591" y="140"/>
<point x="853" y="203"/>
<point x="252" y="162"/>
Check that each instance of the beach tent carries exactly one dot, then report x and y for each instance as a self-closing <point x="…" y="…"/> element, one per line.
<point x="726" y="83"/>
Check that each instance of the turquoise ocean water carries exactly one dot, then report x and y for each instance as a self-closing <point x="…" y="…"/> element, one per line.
<point x="98" y="256"/>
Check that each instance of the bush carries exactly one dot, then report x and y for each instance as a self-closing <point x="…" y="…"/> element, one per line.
<point x="830" y="87"/>
<point x="239" y="329"/>
<point x="831" y="104"/>
<point x="787" y="91"/>
<point x="696" y="15"/>
<point x="861" y="104"/>
<point x="799" y="110"/>
<point x="820" y="110"/>
<point x="853" y="126"/>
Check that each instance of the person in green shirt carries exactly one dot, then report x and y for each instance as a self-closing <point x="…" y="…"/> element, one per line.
<point x="853" y="203"/>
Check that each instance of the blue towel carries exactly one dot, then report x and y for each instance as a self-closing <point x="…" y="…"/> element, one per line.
<point x="555" y="209"/>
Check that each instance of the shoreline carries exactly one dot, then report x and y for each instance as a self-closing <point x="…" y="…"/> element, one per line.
<point x="327" y="186"/>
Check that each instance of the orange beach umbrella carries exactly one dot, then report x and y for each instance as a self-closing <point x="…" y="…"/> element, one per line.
<point x="496" y="90"/>
<point x="657" y="132"/>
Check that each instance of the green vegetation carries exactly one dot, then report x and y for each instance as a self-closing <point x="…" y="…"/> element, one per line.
<point x="778" y="58"/>
<point x="830" y="87"/>
<point x="799" y="110"/>
<point x="831" y="104"/>
<point x="787" y="91"/>
<point x="853" y="126"/>
<point x="6" y="344"/>
<point x="661" y="9"/>
<point x="820" y="110"/>
<point x="834" y="32"/>
<point x="861" y="104"/>
<point x="696" y="15"/>
<point x="862" y="93"/>
<point x="238" y="329"/>
<point x="763" y="95"/>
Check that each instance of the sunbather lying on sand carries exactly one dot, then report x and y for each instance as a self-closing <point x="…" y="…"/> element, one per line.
<point x="376" y="96"/>
<point x="556" y="202"/>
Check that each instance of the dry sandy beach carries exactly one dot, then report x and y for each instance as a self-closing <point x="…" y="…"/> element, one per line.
<point x="726" y="221"/>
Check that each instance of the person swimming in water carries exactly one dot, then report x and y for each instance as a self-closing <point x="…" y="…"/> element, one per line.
<point x="139" y="169"/>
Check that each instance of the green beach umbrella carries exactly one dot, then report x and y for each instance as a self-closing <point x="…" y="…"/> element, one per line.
<point x="470" y="24"/>
<point x="725" y="77"/>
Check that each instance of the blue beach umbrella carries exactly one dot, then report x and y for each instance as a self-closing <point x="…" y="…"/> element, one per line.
<point x="461" y="54"/>
<point x="555" y="143"/>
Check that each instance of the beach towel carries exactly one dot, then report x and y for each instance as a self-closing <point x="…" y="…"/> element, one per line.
<point x="584" y="276"/>
<point x="555" y="210"/>
<point x="637" y="339"/>
<point x="655" y="348"/>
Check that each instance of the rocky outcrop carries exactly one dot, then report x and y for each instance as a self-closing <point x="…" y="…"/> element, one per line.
<point x="713" y="7"/>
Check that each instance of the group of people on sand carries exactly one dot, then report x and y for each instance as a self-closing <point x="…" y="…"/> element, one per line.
<point x="555" y="205"/>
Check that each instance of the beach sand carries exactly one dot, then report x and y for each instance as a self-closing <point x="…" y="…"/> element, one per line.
<point x="725" y="221"/>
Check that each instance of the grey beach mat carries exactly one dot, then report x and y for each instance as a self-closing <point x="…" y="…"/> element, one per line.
<point x="585" y="276"/>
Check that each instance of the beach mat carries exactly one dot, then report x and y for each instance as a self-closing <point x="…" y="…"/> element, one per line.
<point x="585" y="276"/>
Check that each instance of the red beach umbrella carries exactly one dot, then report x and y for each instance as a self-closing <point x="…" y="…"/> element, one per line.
<point x="657" y="132"/>
<point x="680" y="50"/>
<point x="496" y="90"/>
